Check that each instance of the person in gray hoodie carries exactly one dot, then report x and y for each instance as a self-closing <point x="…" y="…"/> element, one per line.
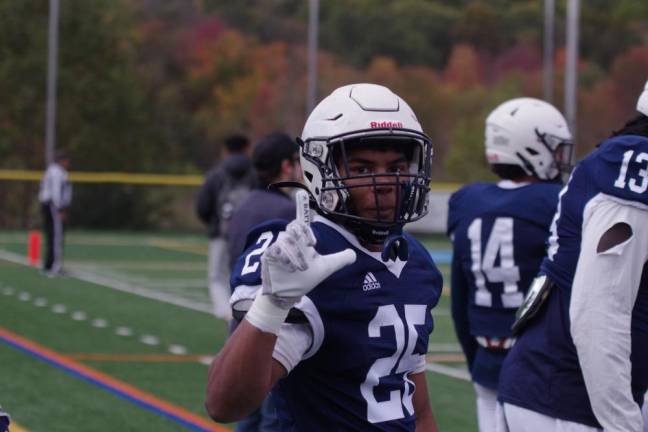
<point x="224" y="188"/>
<point x="276" y="159"/>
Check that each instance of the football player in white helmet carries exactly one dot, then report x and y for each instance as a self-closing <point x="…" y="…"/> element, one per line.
<point x="530" y="134"/>
<point x="341" y="302"/>
<point x="581" y="362"/>
<point x="499" y="231"/>
<point x="366" y="117"/>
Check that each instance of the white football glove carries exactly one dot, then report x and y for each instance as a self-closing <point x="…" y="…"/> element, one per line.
<point x="291" y="268"/>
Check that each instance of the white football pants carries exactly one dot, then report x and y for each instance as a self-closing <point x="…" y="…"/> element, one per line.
<point x="218" y="274"/>
<point x="645" y="413"/>
<point x="486" y="408"/>
<point x="520" y="419"/>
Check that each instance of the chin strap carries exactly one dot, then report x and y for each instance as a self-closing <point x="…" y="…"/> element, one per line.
<point x="395" y="246"/>
<point x="392" y="239"/>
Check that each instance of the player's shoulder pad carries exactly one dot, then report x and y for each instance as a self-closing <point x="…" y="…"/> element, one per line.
<point x="613" y="149"/>
<point x="461" y="199"/>
<point x="247" y="268"/>
<point x="416" y="247"/>
<point x="418" y="251"/>
<point x="467" y="192"/>
<point x="544" y="193"/>
<point x="273" y="225"/>
<point x="617" y="168"/>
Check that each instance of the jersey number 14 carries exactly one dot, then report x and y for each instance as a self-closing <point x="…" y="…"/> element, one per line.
<point x="499" y="242"/>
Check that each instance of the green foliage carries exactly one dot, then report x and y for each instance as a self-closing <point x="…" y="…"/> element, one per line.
<point x="607" y="33"/>
<point x="150" y="86"/>
<point x="23" y="48"/>
<point x="410" y="31"/>
<point x="481" y="26"/>
<point x="102" y="115"/>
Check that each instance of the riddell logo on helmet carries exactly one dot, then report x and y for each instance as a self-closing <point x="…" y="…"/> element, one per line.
<point x="385" y="124"/>
<point x="492" y="157"/>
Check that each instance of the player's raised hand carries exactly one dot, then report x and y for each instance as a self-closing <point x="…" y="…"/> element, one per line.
<point x="291" y="267"/>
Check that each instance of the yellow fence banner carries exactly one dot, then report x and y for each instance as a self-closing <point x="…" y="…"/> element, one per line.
<point x="147" y="179"/>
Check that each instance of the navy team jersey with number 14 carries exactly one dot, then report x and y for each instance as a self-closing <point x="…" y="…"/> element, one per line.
<point x="370" y="322"/>
<point x="542" y="372"/>
<point x="499" y="233"/>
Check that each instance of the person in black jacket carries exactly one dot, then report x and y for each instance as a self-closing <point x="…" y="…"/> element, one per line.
<point x="276" y="159"/>
<point x="224" y="188"/>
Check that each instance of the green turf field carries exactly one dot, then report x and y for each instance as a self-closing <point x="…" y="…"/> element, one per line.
<point x="135" y="307"/>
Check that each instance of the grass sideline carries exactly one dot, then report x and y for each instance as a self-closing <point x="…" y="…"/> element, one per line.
<point x="41" y="397"/>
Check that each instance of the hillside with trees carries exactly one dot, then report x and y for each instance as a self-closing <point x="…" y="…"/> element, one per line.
<point x="155" y="85"/>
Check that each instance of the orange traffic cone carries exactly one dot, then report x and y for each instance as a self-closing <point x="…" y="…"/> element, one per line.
<point x="33" y="248"/>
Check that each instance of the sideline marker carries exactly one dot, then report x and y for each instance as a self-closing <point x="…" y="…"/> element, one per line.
<point x="33" y="248"/>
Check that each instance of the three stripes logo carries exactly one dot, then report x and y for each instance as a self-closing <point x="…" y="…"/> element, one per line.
<point x="370" y="282"/>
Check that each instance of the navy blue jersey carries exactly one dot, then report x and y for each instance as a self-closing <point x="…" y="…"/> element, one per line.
<point x="499" y="240"/>
<point x="259" y="206"/>
<point x="542" y="372"/>
<point x="371" y="322"/>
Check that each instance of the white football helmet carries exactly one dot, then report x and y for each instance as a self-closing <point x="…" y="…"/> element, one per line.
<point x="368" y="114"/>
<point x="532" y="134"/>
<point x="642" y="102"/>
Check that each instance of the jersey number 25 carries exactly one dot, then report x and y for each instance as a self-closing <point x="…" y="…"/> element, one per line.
<point x="397" y="363"/>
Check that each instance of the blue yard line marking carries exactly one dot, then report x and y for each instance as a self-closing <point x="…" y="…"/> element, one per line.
<point x="71" y="370"/>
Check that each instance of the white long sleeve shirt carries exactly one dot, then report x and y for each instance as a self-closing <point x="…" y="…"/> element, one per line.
<point x="55" y="188"/>
<point x="603" y="296"/>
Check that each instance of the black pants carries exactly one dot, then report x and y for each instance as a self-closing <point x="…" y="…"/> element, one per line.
<point x="53" y="227"/>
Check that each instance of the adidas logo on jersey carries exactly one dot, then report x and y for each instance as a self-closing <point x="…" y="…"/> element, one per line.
<point x="370" y="282"/>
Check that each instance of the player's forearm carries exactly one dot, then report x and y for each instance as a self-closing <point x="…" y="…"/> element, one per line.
<point x="607" y="371"/>
<point x="426" y="422"/>
<point x="605" y="363"/>
<point x="241" y="374"/>
<point x="604" y="292"/>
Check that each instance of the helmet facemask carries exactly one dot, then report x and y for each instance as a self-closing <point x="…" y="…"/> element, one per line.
<point x="561" y="153"/>
<point x="373" y="204"/>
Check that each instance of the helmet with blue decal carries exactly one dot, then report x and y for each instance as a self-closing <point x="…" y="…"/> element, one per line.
<point x="366" y="115"/>
<point x="531" y="134"/>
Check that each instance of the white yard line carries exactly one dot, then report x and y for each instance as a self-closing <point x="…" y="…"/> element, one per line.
<point x="12" y="257"/>
<point x="448" y="371"/>
<point x="145" y="265"/>
<point x="140" y="291"/>
<point x="91" y="277"/>
<point x="199" y="307"/>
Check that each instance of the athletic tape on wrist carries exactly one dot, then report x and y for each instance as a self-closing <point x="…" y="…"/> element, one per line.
<point x="266" y="315"/>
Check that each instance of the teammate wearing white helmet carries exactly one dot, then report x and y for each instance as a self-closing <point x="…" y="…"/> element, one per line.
<point x="530" y="134"/>
<point x="580" y="362"/>
<point x="499" y="231"/>
<point x="339" y="305"/>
